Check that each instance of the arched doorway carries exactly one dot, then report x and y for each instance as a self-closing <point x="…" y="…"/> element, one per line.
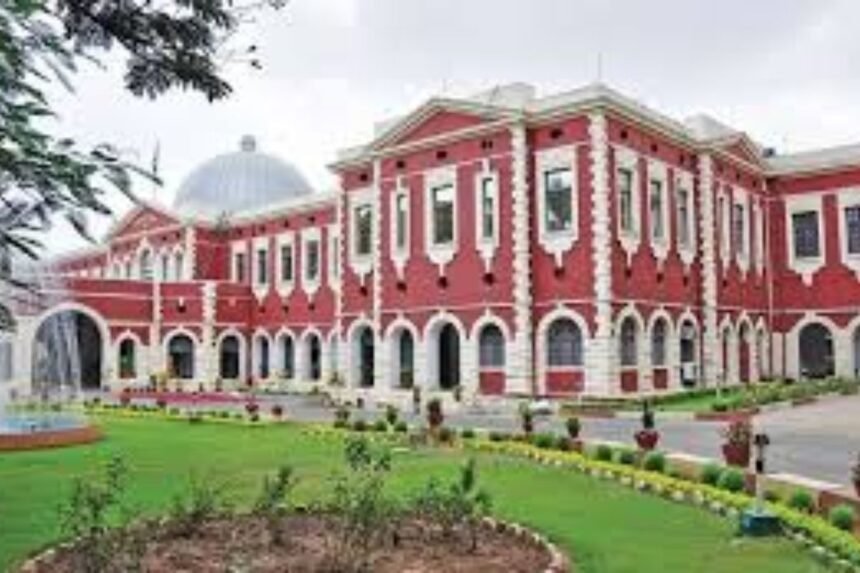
<point x="262" y="357"/>
<point x="816" y="351"/>
<point x="314" y="357"/>
<point x="127" y="362"/>
<point x="403" y="358"/>
<point x="288" y="357"/>
<point x="230" y="358"/>
<point x="180" y="354"/>
<point x="687" y="341"/>
<point x="67" y="353"/>
<point x="744" y="353"/>
<point x="365" y="357"/>
<point x="449" y="357"/>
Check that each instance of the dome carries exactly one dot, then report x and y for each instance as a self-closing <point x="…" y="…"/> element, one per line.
<point x="238" y="181"/>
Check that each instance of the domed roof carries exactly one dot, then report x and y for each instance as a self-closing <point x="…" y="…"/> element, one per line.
<point x="238" y="181"/>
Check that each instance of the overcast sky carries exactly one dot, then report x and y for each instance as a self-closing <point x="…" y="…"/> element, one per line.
<point x="787" y="72"/>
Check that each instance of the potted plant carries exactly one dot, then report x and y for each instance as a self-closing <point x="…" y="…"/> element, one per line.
<point x="855" y="475"/>
<point x="527" y="420"/>
<point x="738" y="442"/>
<point x="574" y="426"/>
<point x="251" y="407"/>
<point x="647" y="437"/>
<point x="435" y="416"/>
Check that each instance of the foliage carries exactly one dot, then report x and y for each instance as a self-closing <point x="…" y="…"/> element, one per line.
<point x="341" y="416"/>
<point x="802" y="500"/>
<point x="392" y="414"/>
<point x="563" y="443"/>
<point x="435" y="415"/>
<point x="855" y="471"/>
<point x="732" y="480"/>
<point x="92" y="507"/>
<point x="467" y="433"/>
<point x="204" y="499"/>
<point x="738" y="432"/>
<point x="543" y="440"/>
<point x="171" y="44"/>
<point x="647" y="416"/>
<point x="273" y="501"/>
<point x="626" y="456"/>
<point x="446" y="435"/>
<point x="401" y="427"/>
<point x="380" y="426"/>
<point x="603" y="453"/>
<point x="527" y="419"/>
<point x="654" y="462"/>
<point x="457" y="507"/>
<point x="573" y="427"/>
<point x="711" y="473"/>
<point x="842" y="517"/>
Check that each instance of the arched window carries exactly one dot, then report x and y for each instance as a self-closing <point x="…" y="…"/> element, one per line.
<point x="288" y="356"/>
<point x="127" y="366"/>
<point x="628" y="343"/>
<point x="229" y="363"/>
<point x="658" y="343"/>
<point x="492" y="347"/>
<point x="146" y="265"/>
<point x="564" y="343"/>
<point x="181" y="355"/>
<point x="165" y="267"/>
<point x="263" y="357"/>
<point x="406" y="359"/>
<point x="179" y="265"/>
<point x="816" y="351"/>
<point x="314" y="357"/>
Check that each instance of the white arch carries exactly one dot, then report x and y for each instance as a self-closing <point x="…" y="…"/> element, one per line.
<point x="487" y="319"/>
<point x="727" y="351"/>
<point x="670" y="347"/>
<point x="630" y="311"/>
<point x="232" y="331"/>
<point x="107" y="362"/>
<point x="354" y="349"/>
<point x="303" y="363"/>
<point x="841" y="344"/>
<point x="165" y="347"/>
<point x="259" y="335"/>
<point x="431" y="348"/>
<point x="392" y="341"/>
<point x="689" y="371"/>
<point x="129" y="334"/>
<point x="285" y="332"/>
<point x="541" y="343"/>
<point x="762" y="362"/>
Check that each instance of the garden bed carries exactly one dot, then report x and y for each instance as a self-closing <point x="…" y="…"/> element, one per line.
<point x="243" y="543"/>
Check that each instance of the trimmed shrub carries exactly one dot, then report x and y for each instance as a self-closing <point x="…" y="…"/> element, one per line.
<point x="401" y="427"/>
<point x="772" y="496"/>
<point x="446" y="435"/>
<point x="392" y="414"/>
<point x="732" y="480"/>
<point x="380" y="426"/>
<point x="562" y="443"/>
<point x="544" y="441"/>
<point x="802" y="500"/>
<point x="842" y="516"/>
<point x="626" y="457"/>
<point x="498" y="436"/>
<point x="359" y="426"/>
<point x="711" y="474"/>
<point x="655" y="462"/>
<point x="573" y="427"/>
<point x="467" y="433"/>
<point x="603" y="453"/>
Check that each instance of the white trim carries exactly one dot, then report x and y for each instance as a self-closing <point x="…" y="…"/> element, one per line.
<point x="630" y="239"/>
<point x="285" y="239"/>
<point x="642" y="359"/>
<point x="141" y="369"/>
<point x="430" y="337"/>
<point x="807" y="266"/>
<point x="308" y="235"/>
<point x="261" y="244"/>
<point x="333" y="266"/>
<point x="392" y="342"/>
<point x="740" y="198"/>
<point x="487" y="319"/>
<point x="286" y="332"/>
<point x="724" y="221"/>
<point x="486" y="247"/>
<point x="759" y="234"/>
<point x="684" y="181"/>
<point x="440" y="254"/>
<point x="658" y="173"/>
<point x="671" y="348"/>
<point x="219" y="340"/>
<point x="847" y="198"/>
<point x="400" y="254"/>
<point x="557" y="243"/>
<point x="195" y="355"/>
<point x="361" y="264"/>
<point x="542" y="346"/>
<point x="353" y="342"/>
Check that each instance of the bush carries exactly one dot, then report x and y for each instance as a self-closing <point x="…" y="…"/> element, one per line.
<point x="446" y="435"/>
<point x="467" y="433"/>
<point x="732" y="480"/>
<point x="401" y="427"/>
<point x="842" y="517"/>
<point x="655" y="462"/>
<point x="603" y="453"/>
<point x="339" y="424"/>
<point x="497" y="436"/>
<point x="359" y="426"/>
<point x="711" y="474"/>
<point x="277" y="410"/>
<point x="341" y="416"/>
<point x="380" y="426"/>
<point x="563" y="444"/>
<point x="772" y="496"/>
<point x="574" y="427"/>
<point x="626" y="457"/>
<point x="802" y="500"/>
<point x="544" y="440"/>
<point x="391" y="414"/>
<point x="435" y="415"/>
<point x="273" y="501"/>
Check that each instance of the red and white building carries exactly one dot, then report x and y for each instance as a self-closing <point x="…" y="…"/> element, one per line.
<point x="505" y="244"/>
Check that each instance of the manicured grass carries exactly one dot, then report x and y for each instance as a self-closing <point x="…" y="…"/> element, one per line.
<point x="606" y="528"/>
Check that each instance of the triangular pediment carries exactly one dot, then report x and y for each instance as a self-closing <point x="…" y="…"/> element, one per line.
<point x="743" y="148"/>
<point x="142" y="218"/>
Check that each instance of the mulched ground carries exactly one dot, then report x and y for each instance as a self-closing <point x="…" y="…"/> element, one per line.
<point x="243" y="544"/>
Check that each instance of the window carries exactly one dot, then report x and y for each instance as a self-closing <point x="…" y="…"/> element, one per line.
<point x="312" y="260"/>
<point x="443" y="214"/>
<point x="363" y="230"/>
<point x="146" y="266"/>
<point x="165" y="267"/>
<point x="564" y="344"/>
<point x="401" y="221"/>
<point x="805" y="230"/>
<point x="558" y="190"/>
<point x="852" y="229"/>
<point x="287" y="357"/>
<point x="683" y="218"/>
<point x="492" y="347"/>
<point x="179" y="264"/>
<point x="739" y="230"/>
<point x="126" y="359"/>
<point x="658" y="343"/>
<point x="240" y="267"/>
<point x="655" y="199"/>
<point x="488" y="209"/>
<point x="286" y="263"/>
<point x="628" y="343"/>
<point x="128" y="270"/>
<point x="334" y="256"/>
<point x="625" y="200"/>
<point x="262" y="266"/>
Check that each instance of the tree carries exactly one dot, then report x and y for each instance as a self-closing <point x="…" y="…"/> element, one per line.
<point x="181" y="44"/>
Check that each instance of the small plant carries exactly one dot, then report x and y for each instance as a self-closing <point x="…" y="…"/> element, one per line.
<point x="842" y="517"/>
<point x="277" y="411"/>
<point x="380" y="426"/>
<point x="341" y="416"/>
<point x="435" y="415"/>
<point x="467" y="433"/>
<point x="273" y="502"/>
<point x="204" y="500"/>
<point x="654" y="462"/>
<point x="711" y="474"/>
<point x="446" y="435"/>
<point x="738" y="441"/>
<point x="392" y="414"/>
<point x="647" y="437"/>
<point x="732" y="480"/>
<point x="772" y="496"/>
<point x="574" y="427"/>
<point x="603" y="453"/>
<point x="161" y="403"/>
<point x="359" y="426"/>
<point x="563" y="444"/>
<point x="527" y="419"/>
<point x="401" y="427"/>
<point x="802" y="500"/>
<point x="626" y="457"/>
<point x="497" y="436"/>
<point x="544" y="441"/>
<point x="251" y="407"/>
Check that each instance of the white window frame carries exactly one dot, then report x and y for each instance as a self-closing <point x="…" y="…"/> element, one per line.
<point x="724" y="215"/>
<point x="440" y="254"/>
<point x="758" y="214"/>
<point x="684" y="181"/>
<point x="400" y="254"/>
<point x="557" y="243"/>
<point x="261" y="244"/>
<point x="285" y="239"/>
<point x="236" y="248"/>
<point x="806" y="266"/>
<point x="630" y="239"/>
<point x="847" y="198"/>
<point x="361" y="264"/>
<point x="308" y="236"/>
<point x="486" y="246"/>
<point x="658" y="173"/>
<point x="742" y="255"/>
<point x="333" y="261"/>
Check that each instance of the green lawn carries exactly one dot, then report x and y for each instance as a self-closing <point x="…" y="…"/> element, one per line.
<point x="605" y="527"/>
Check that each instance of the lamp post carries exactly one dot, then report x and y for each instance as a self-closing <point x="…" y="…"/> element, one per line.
<point x="757" y="521"/>
<point x="760" y="441"/>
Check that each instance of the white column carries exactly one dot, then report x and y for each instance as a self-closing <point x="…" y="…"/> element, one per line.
<point x="209" y="353"/>
<point x="600" y="356"/>
<point x="520" y="371"/>
<point x="380" y="370"/>
<point x="709" y="272"/>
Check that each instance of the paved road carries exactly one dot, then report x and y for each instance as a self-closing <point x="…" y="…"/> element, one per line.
<point x="819" y="441"/>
